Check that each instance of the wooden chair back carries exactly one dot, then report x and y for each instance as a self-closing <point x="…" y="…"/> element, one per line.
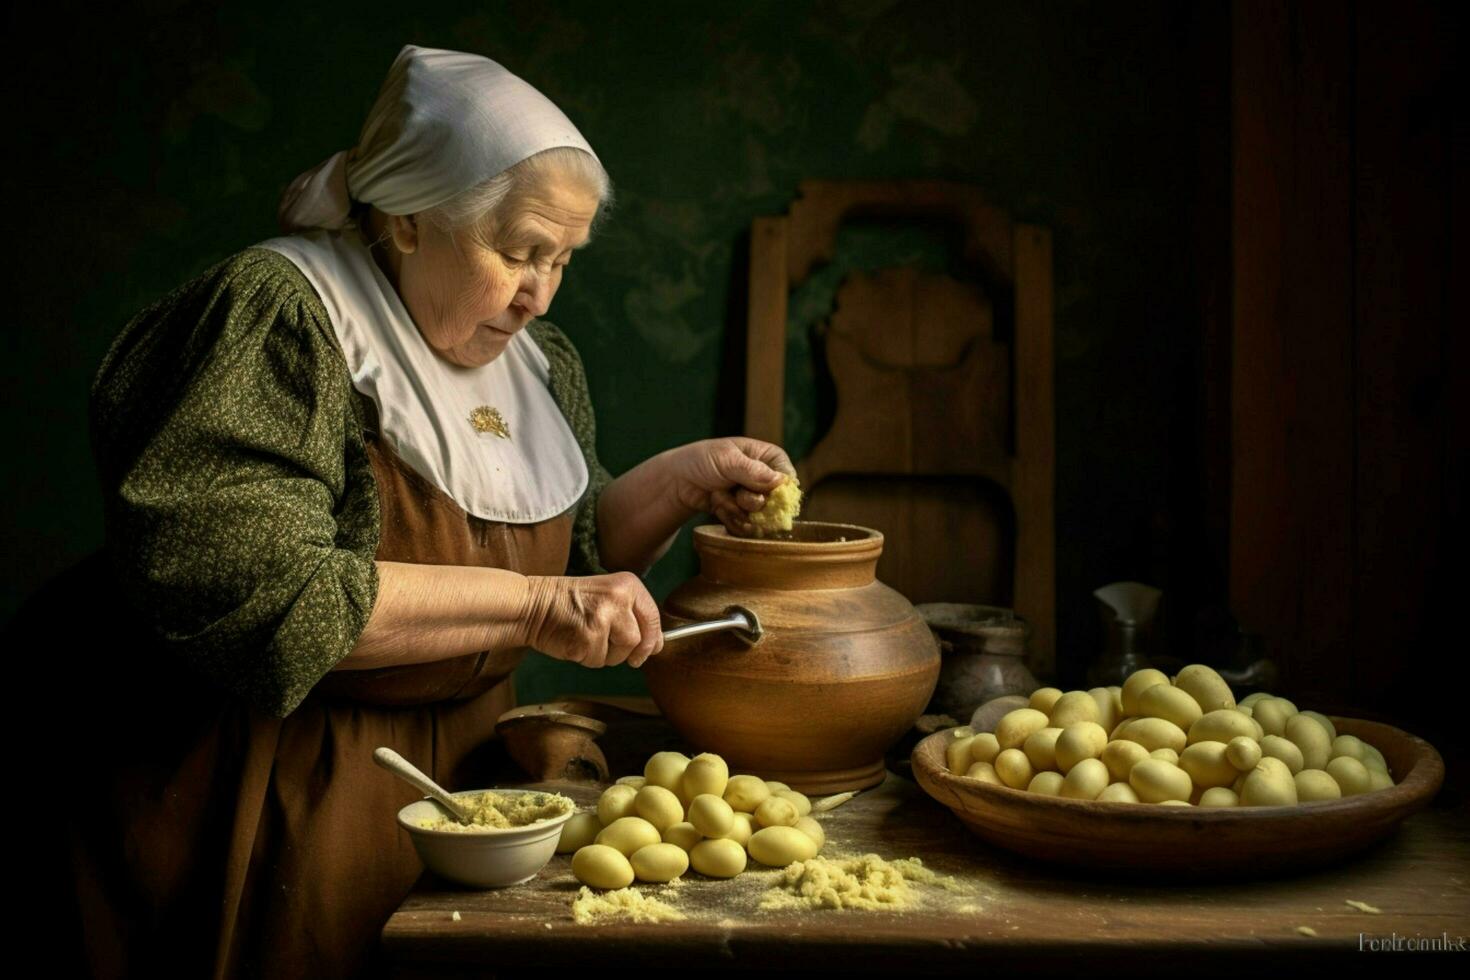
<point x="943" y="433"/>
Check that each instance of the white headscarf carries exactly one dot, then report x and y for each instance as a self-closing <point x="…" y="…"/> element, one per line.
<point x="443" y="122"/>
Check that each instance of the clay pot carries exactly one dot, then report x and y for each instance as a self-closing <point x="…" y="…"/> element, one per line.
<point x="984" y="650"/>
<point x="843" y="669"/>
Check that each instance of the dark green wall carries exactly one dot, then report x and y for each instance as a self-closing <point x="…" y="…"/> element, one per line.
<point x="159" y="140"/>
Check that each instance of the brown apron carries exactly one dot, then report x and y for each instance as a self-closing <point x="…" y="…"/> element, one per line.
<point x="228" y="843"/>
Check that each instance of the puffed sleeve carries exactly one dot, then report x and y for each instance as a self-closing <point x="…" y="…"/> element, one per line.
<point x="237" y="521"/>
<point x="569" y="389"/>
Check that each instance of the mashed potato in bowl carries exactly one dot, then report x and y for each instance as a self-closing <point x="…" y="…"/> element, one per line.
<point x="491" y="810"/>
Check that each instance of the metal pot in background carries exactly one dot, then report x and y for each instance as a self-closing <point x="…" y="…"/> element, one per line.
<point x="984" y="656"/>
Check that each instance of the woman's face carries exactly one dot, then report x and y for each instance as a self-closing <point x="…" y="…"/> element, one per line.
<point x="469" y="294"/>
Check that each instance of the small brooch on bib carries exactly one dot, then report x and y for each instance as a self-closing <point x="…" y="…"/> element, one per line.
<point x="487" y="419"/>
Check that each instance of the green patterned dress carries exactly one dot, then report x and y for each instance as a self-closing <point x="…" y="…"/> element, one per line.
<point x="240" y="509"/>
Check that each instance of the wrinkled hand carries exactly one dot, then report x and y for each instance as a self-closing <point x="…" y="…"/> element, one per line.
<point x="730" y="478"/>
<point x="594" y="620"/>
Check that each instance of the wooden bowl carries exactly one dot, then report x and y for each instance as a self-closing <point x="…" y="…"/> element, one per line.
<point x="1231" y="842"/>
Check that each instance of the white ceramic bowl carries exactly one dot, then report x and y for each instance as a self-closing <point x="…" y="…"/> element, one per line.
<point x="490" y="858"/>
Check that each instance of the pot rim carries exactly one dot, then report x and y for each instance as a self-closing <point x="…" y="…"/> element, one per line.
<point x="718" y="536"/>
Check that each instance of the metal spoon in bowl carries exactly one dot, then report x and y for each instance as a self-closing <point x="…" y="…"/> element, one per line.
<point x="410" y="773"/>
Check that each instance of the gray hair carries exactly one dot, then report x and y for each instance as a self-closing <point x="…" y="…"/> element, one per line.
<point x="485" y="204"/>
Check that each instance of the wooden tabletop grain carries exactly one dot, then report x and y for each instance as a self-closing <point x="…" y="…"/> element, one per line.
<point x="1009" y="913"/>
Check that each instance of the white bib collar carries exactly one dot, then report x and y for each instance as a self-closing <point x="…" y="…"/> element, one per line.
<point x="425" y="403"/>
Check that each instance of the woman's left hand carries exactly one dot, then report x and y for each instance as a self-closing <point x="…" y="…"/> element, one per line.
<point x="729" y="477"/>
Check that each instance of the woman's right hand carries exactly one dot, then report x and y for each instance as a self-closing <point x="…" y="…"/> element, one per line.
<point x="594" y="620"/>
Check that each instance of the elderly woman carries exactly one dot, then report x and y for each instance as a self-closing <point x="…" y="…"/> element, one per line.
<point x="350" y="477"/>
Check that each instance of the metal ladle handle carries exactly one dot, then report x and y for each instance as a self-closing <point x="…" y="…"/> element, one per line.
<point x="736" y="618"/>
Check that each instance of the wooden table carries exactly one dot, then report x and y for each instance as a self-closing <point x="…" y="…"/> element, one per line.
<point x="1014" y="913"/>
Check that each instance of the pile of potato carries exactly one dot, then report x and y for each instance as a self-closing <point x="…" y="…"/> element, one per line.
<point x="1181" y="741"/>
<point x="686" y="812"/>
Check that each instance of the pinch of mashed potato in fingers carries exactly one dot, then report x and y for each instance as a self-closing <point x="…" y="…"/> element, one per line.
<point x="782" y="504"/>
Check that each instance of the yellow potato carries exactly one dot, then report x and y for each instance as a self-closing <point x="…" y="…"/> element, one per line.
<point x="985" y="772"/>
<point x="659" y="807"/>
<point x="719" y="858"/>
<point x="1324" y="721"/>
<point x="684" y="835"/>
<point x="711" y="815"/>
<point x="1170" y="704"/>
<point x="1121" y="756"/>
<point x="616" y="802"/>
<point x="1118" y="793"/>
<point x="1085" y="780"/>
<point x="984" y="748"/>
<point x="1044" y="698"/>
<point x="1155" y="781"/>
<point x="962" y="731"/>
<point x="1175" y="803"/>
<point x="706" y="773"/>
<point x="776" y="812"/>
<point x="600" y="866"/>
<point x="1208" y="765"/>
<point x="1082" y="740"/>
<point x="1165" y="753"/>
<point x="1378" y="779"/>
<point x="813" y="829"/>
<point x="1014" y="728"/>
<point x="578" y="832"/>
<point x="666" y="769"/>
<point x="1014" y="769"/>
<point x="1271" y="715"/>
<point x="1314" y="784"/>
<point x="1347" y="745"/>
<point x="1243" y="752"/>
<point x="745" y="793"/>
<point x="1250" y="699"/>
<point x="744" y="825"/>
<point x="1206" y="686"/>
<point x="1072" y="707"/>
<point x="659" y="862"/>
<point x="775" y="784"/>
<point x="1221" y="726"/>
<point x="957" y="754"/>
<point x="1351" y="775"/>
<point x="1138" y="682"/>
<point x="1046" y="783"/>
<point x="1108" y="710"/>
<point x="637" y="782"/>
<point x="1154" y="733"/>
<point x="798" y="800"/>
<point x="1219" y="796"/>
<point x="628" y="834"/>
<point x="1041" y="748"/>
<point x="1310" y="738"/>
<point x="779" y="846"/>
<point x="1270" y="783"/>
<point x="1284" y="749"/>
